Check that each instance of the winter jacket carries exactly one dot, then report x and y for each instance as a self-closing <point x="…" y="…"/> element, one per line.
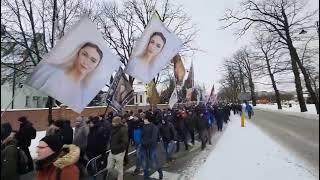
<point x="9" y="159"/>
<point x="190" y="122"/>
<point x="202" y="122"/>
<point x="149" y="135"/>
<point x="95" y="145"/>
<point x="65" y="163"/>
<point x="119" y="139"/>
<point x="67" y="133"/>
<point x="81" y="135"/>
<point x="167" y="132"/>
<point x="104" y="131"/>
<point x="25" y="134"/>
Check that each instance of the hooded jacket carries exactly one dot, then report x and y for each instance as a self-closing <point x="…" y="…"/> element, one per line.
<point x="63" y="167"/>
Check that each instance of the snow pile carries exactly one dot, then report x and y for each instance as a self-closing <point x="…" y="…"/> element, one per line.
<point x="247" y="153"/>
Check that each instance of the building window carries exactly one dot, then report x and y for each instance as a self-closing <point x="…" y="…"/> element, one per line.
<point x="36" y="101"/>
<point x="136" y="99"/>
<point x="44" y="100"/>
<point x="140" y="98"/>
<point x="27" y="101"/>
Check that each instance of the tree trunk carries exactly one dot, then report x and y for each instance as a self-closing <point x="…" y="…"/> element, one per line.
<point x="274" y="85"/>
<point x="297" y="80"/>
<point x="253" y="94"/>
<point x="13" y="85"/>
<point x="242" y="81"/>
<point x="307" y="80"/>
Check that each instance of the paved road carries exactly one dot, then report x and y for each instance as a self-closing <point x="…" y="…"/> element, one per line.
<point x="301" y="135"/>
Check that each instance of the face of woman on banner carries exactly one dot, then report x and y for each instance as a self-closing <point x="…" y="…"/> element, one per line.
<point x="156" y="44"/>
<point x="89" y="57"/>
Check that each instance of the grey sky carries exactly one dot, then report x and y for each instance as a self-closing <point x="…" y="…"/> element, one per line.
<point x="217" y="44"/>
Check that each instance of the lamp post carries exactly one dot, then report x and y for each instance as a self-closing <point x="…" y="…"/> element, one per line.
<point x="303" y="31"/>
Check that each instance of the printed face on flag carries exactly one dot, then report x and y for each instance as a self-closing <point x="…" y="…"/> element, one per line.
<point x="77" y="68"/>
<point x="155" y="48"/>
<point x="179" y="70"/>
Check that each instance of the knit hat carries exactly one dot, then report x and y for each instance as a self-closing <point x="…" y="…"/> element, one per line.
<point x="22" y="119"/>
<point x="54" y="142"/>
<point x="116" y="120"/>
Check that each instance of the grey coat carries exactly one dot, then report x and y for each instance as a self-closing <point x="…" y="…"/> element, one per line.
<point x="81" y="135"/>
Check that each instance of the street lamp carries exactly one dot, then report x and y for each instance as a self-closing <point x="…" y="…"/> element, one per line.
<point x="303" y="31"/>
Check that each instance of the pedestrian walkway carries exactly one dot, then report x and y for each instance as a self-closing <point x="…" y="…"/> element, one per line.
<point x="247" y="153"/>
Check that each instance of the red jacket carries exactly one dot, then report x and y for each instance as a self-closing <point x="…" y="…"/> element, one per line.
<point x="69" y="171"/>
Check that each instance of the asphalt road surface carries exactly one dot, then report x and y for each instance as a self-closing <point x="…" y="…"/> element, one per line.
<point x="300" y="135"/>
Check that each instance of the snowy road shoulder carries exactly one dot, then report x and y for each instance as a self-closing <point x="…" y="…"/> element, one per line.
<point x="248" y="153"/>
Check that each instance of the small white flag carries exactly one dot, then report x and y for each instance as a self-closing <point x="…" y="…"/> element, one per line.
<point x="173" y="99"/>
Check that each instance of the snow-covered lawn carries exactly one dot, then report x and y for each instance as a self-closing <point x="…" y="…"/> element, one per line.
<point x="247" y="153"/>
<point x="294" y="110"/>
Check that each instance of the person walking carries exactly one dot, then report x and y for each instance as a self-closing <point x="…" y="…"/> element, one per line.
<point x="80" y="140"/>
<point x="249" y="110"/>
<point x="137" y="125"/>
<point x="24" y="136"/>
<point x="190" y="124"/>
<point x="55" y="160"/>
<point x="9" y="169"/>
<point x="149" y="139"/>
<point x="202" y="127"/>
<point x="118" y="144"/>
<point x="168" y="135"/>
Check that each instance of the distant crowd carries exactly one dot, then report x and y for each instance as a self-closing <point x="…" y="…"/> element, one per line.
<point x="103" y="142"/>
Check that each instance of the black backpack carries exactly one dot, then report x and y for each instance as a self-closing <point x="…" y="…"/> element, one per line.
<point x="22" y="162"/>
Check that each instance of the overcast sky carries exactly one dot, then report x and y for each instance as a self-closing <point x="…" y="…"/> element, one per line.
<point x="217" y="44"/>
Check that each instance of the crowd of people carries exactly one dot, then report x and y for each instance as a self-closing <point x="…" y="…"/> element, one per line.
<point x="64" y="152"/>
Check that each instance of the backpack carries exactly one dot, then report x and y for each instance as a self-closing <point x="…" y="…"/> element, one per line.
<point x="137" y="133"/>
<point x="33" y="132"/>
<point x="22" y="162"/>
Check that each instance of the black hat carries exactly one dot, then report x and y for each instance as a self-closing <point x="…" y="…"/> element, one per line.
<point x="54" y="142"/>
<point x="22" y="119"/>
<point x="5" y="130"/>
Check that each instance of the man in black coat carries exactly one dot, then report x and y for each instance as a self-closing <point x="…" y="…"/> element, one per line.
<point x="149" y="139"/>
<point x="168" y="135"/>
<point x="202" y="125"/>
<point x="24" y="135"/>
<point x="67" y="132"/>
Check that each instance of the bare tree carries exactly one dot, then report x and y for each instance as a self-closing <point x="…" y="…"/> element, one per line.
<point x="230" y="82"/>
<point x="31" y="28"/>
<point x="123" y="24"/>
<point x="284" y="18"/>
<point x="247" y="62"/>
<point x="270" y="54"/>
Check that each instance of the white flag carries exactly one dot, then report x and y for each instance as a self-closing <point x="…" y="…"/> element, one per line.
<point x="173" y="99"/>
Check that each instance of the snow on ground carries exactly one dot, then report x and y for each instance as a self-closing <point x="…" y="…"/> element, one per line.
<point x="35" y="143"/>
<point x="294" y="110"/>
<point x="247" y="153"/>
